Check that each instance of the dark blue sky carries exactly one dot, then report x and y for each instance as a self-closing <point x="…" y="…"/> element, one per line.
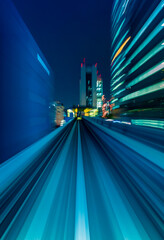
<point x="67" y="31"/>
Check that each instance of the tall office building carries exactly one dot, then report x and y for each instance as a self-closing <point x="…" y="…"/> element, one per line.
<point x="99" y="91"/>
<point x="137" y="62"/>
<point x="88" y="85"/>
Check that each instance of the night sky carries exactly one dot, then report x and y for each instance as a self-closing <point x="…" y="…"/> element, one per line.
<point x="66" y="32"/>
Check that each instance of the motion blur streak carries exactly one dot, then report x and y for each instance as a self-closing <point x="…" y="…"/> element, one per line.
<point x="121" y="48"/>
<point x="89" y="182"/>
<point x="82" y="226"/>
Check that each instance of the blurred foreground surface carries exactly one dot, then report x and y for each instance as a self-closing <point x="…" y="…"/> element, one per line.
<point x="85" y="181"/>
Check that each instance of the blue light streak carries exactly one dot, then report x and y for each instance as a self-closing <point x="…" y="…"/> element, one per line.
<point x="146" y="25"/>
<point x="43" y="64"/>
<point x="81" y="217"/>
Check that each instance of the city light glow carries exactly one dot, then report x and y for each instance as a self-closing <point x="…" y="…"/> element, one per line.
<point x="144" y="91"/>
<point x="117" y="73"/>
<point x="146" y="25"/>
<point x="118" y="31"/>
<point x="114" y="100"/>
<point x="145" y="42"/>
<point x="115" y="107"/>
<point x="148" y="123"/>
<point x="118" y="85"/>
<point x="125" y="6"/>
<point x="119" y="91"/>
<point x="147" y="74"/>
<point x="117" y="79"/>
<point x="117" y="66"/>
<point x="154" y="51"/>
<point x="120" y="42"/>
<point x="121" y="48"/>
<point x="141" y="47"/>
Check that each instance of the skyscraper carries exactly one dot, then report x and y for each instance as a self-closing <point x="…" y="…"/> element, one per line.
<point x="99" y="91"/>
<point x="88" y="85"/>
<point x="137" y="60"/>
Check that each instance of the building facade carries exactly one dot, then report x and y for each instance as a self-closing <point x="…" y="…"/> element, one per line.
<point x="137" y="62"/>
<point x="88" y="85"/>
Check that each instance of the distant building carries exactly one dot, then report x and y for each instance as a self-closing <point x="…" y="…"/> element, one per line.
<point x="99" y="92"/>
<point x="88" y="85"/>
<point x="59" y="113"/>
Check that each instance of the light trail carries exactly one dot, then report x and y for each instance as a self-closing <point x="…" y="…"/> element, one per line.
<point x="81" y="219"/>
<point x="91" y="183"/>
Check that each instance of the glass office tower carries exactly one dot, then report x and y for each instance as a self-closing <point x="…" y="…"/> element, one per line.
<point x="88" y="86"/>
<point x="137" y="61"/>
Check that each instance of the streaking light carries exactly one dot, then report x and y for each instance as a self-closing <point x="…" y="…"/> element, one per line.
<point x="147" y="23"/>
<point x="117" y="79"/>
<point x="116" y="62"/>
<point x="115" y="100"/>
<point x="43" y="64"/>
<point x="118" y="31"/>
<point x="118" y="85"/>
<point x="109" y="120"/>
<point x="141" y="47"/>
<point x="148" y="123"/>
<point x="128" y="123"/>
<point x="120" y="42"/>
<point x="144" y="91"/>
<point x="146" y="74"/>
<point x="121" y="48"/>
<point x="81" y="215"/>
<point x="154" y="51"/>
<point x="115" y="107"/>
<point x="126" y="4"/>
<point x="117" y="73"/>
<point x="118" y="65"/>
<point x="147" y="41"/>
<point x="119" y="92"/>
